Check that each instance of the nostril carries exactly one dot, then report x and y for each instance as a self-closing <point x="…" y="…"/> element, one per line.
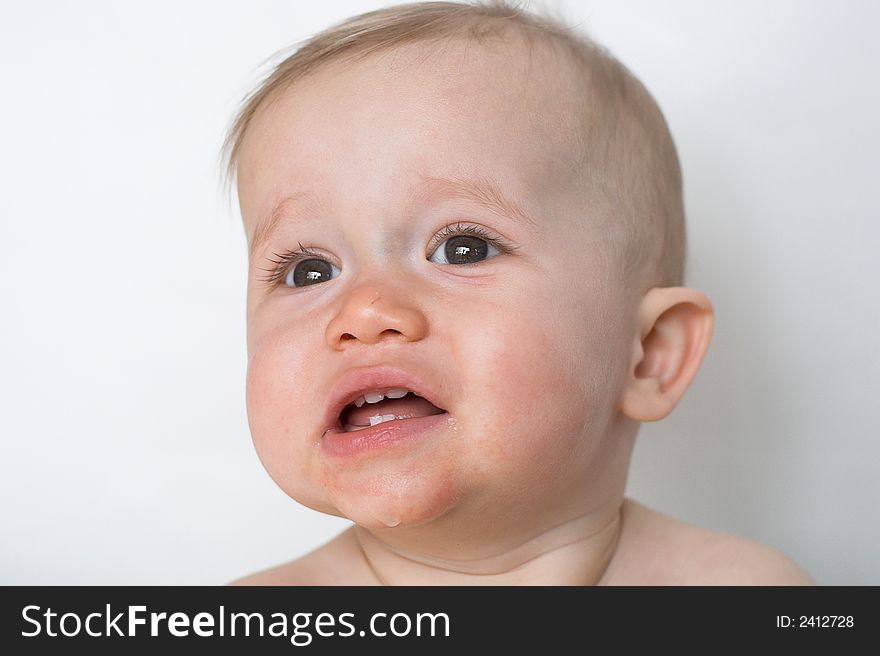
<point x="347" y="337"/>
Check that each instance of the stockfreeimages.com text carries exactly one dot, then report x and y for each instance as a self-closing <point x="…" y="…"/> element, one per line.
<point x="301" y="627"/>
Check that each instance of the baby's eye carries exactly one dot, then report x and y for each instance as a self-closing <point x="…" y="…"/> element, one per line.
<point x="299" y="268"/>
<point x="309" y="272"/>
<point x="464" y="245"/>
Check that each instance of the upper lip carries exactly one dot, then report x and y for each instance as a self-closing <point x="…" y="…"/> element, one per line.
<point x="355" y="382"/>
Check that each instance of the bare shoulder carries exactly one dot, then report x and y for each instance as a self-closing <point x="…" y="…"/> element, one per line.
<point x="333" y="563"/>
<point x="656" y="549"/>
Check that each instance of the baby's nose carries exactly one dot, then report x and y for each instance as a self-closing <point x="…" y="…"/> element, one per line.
<point x="372" y="312"/>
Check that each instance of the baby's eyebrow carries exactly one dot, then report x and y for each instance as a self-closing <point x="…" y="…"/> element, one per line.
<point x="280" y="213"/>
<point x="483" y="191"/>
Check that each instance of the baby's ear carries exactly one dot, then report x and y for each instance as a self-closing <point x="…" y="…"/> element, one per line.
<point x="675" y="326"/>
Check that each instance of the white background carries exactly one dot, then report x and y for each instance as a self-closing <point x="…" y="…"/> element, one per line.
<point x="126" y="457"/>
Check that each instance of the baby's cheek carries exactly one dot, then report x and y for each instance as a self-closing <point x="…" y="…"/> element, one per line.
<point x="276" y="425"/>
<point x="268" y="397"/>
<point x="265" y="418"/>
<point x="542" y="392"/>
<point x="278" y="390"/>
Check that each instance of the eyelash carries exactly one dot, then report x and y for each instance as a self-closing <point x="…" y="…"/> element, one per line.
<point x="290" y="258"/>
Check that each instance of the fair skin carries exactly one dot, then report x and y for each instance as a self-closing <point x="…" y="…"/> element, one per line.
<point x="547" y="359"/>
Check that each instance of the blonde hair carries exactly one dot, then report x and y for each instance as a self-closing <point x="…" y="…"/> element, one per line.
<point x="624" y="146"/>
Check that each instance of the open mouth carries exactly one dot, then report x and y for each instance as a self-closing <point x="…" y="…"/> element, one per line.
<point x="375" y="408"/>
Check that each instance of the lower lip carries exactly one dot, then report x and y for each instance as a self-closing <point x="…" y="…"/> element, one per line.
<point x="340" y="443"/>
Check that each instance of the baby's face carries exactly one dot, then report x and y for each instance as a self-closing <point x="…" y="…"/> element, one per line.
<point x="523" y="329"/>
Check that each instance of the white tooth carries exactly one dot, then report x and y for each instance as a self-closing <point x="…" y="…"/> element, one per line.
<point x="396" y="393"/>
<point x="378" y="419"/>
<point x="373" y="397"/>
<point x="359" y="401"/>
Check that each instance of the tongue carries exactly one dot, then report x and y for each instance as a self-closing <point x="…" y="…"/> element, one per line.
<point x="404" y="408"/>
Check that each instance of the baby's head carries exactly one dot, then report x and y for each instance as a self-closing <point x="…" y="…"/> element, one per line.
<point x="478" y="205"/>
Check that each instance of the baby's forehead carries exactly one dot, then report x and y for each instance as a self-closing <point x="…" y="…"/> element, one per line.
<point x="446" y="102"/>
<point x="528" y="85"/>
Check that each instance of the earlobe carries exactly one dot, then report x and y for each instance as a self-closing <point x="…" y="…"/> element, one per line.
<point x="675" y="327"/>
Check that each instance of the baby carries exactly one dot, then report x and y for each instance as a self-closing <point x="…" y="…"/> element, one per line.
<point x="466" y="246"/>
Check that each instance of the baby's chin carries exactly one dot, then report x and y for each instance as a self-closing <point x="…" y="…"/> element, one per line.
<point x="391" y="499"/>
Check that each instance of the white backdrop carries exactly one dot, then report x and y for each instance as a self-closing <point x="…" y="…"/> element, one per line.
<point x="126" y="457"/>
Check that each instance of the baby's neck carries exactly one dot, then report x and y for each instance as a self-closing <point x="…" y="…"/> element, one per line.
<point x="576" y="552"/>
